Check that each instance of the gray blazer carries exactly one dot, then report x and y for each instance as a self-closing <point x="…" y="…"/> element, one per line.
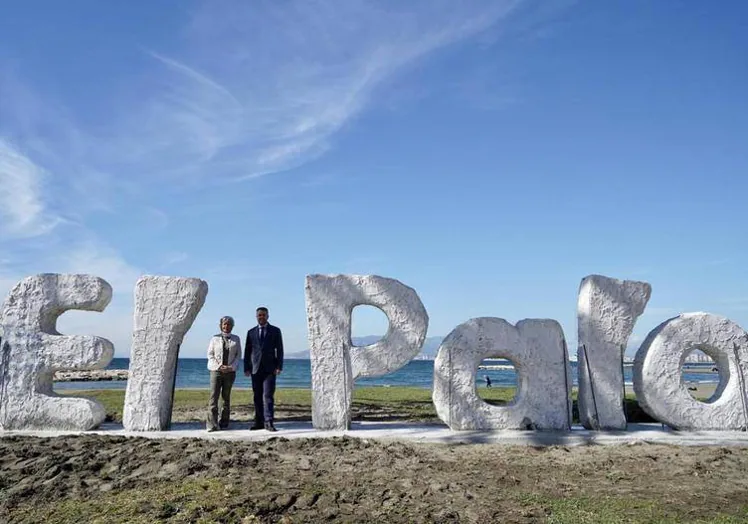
<point x="263" y="357"/>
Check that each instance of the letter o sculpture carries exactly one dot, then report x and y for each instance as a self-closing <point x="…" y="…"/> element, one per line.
<point x="658" y="384"/>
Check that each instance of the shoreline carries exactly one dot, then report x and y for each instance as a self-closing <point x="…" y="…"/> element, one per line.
<point x="702" y="389"/>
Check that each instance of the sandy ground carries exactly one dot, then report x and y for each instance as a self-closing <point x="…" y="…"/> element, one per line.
<point x="698" y="390"/>
<point x="346" y="480"/>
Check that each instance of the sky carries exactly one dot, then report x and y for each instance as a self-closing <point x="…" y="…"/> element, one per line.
<point x="489" y="154"/>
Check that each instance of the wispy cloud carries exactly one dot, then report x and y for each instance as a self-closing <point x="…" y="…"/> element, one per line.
<point x="92" y="257"/>
<point x="247" y="89"/>
<point x="722" y="261"/>
<point x="115" y="323"/>
<point x="22" y="207"/>
<point x="174" y="258"/>
<point x="735" y="303"/>
<point x="664" y="312"/>
<point x="324" y="179"/>
<point x="96" y="258"/>
<point x="262" y="87"/>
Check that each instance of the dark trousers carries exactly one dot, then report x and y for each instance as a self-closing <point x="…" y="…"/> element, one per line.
<point x="263" y="387"/>
<point x="220" y="385"/>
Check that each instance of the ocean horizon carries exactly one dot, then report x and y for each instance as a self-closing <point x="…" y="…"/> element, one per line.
<point x="193" y="373"/>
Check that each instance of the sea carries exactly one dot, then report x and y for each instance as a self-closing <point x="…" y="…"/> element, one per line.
<point x="193" y="373"/>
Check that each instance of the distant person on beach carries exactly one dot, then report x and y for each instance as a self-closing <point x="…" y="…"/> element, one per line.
<point x="488" y="381"/>
<point x="263" y="359"/>
<point x="224" y="351"/>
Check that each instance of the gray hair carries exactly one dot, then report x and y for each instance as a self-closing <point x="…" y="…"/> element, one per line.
<point x="228" y="318"/>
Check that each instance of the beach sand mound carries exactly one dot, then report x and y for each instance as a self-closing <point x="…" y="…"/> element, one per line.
<point x="120" y="479"/>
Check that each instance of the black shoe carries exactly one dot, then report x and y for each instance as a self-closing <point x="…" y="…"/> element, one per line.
<point x="211" y="430"/>
<point x="256" y="426"/>
<point x="269" y="426"/>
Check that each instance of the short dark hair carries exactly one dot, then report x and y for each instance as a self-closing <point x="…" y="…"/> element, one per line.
<point x="261" y="308"/>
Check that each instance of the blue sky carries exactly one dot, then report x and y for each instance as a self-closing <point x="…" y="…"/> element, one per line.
<point x="489" y="154"/>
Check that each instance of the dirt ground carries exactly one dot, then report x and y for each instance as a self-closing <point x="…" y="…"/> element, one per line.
<point x="115" y="479"/>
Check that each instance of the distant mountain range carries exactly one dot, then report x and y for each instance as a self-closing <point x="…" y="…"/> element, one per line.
<point x="430" y="346"/>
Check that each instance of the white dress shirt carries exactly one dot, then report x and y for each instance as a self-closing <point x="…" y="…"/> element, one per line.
<point x="263" y="331"/>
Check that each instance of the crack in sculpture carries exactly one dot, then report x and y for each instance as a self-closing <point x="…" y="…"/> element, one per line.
<point x="607" y="310"/>
<point x="335" y="361"/>
<point x="32" y="350"/>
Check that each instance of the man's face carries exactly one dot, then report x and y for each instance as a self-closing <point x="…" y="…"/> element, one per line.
<point x="226" y="326"/>
<point x="262" y="317"/>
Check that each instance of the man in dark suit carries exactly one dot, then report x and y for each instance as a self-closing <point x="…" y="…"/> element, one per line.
<point x="263" y="359"/>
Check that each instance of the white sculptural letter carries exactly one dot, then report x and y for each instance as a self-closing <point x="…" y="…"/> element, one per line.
<point x="32" y="350"/>
<point x="336" y="363"/>
<point x="606" y="313"/>
<point x="657" y="373"/>
<point x="165" y="308"/>
<point x="538" y="351"/>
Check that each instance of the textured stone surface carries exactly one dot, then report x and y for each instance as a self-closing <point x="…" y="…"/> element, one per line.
<point x="165" y="308"/>
<point x="606" y="313"/>
<point x="336" y="363"/>
<point x="657" y="372"/>
<point x="32" y="350"/>
<point x="94" y="375"/>
<point x="538" y="351"/>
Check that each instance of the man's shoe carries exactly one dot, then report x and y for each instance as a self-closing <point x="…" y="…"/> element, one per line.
<point x="269" y="426"/>
<point x="256" y="426"/>
<point x="211" y="430"/>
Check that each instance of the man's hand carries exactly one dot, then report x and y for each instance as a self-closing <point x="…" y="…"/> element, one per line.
<point x="278" y="371"/>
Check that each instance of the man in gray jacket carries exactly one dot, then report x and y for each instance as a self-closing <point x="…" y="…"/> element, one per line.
<point x="263" y="359"/>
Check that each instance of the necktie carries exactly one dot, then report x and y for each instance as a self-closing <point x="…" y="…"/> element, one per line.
<point x="262" y="335"/>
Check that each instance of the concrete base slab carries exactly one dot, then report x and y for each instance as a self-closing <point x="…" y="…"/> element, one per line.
<point x="432" y="433"/>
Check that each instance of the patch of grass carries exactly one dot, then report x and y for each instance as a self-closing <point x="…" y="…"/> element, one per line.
<point x="615" y="510"/>
<point x="193" y="399"/>
<point x="200" y="501"/>
<point x="394" y="402"/>
<point x="214" y="500"/>
<point x="403" y="403"/>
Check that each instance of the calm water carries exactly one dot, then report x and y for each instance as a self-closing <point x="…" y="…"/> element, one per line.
<point x="192" y="373"/>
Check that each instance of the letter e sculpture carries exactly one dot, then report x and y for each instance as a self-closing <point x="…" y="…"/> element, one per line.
<point x="32" y="350"/>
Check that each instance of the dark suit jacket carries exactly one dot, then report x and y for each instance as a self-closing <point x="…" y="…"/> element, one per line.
<point x="265" y="357"/>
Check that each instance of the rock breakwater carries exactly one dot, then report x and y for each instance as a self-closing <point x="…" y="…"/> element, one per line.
<point x="91" y="375"/>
